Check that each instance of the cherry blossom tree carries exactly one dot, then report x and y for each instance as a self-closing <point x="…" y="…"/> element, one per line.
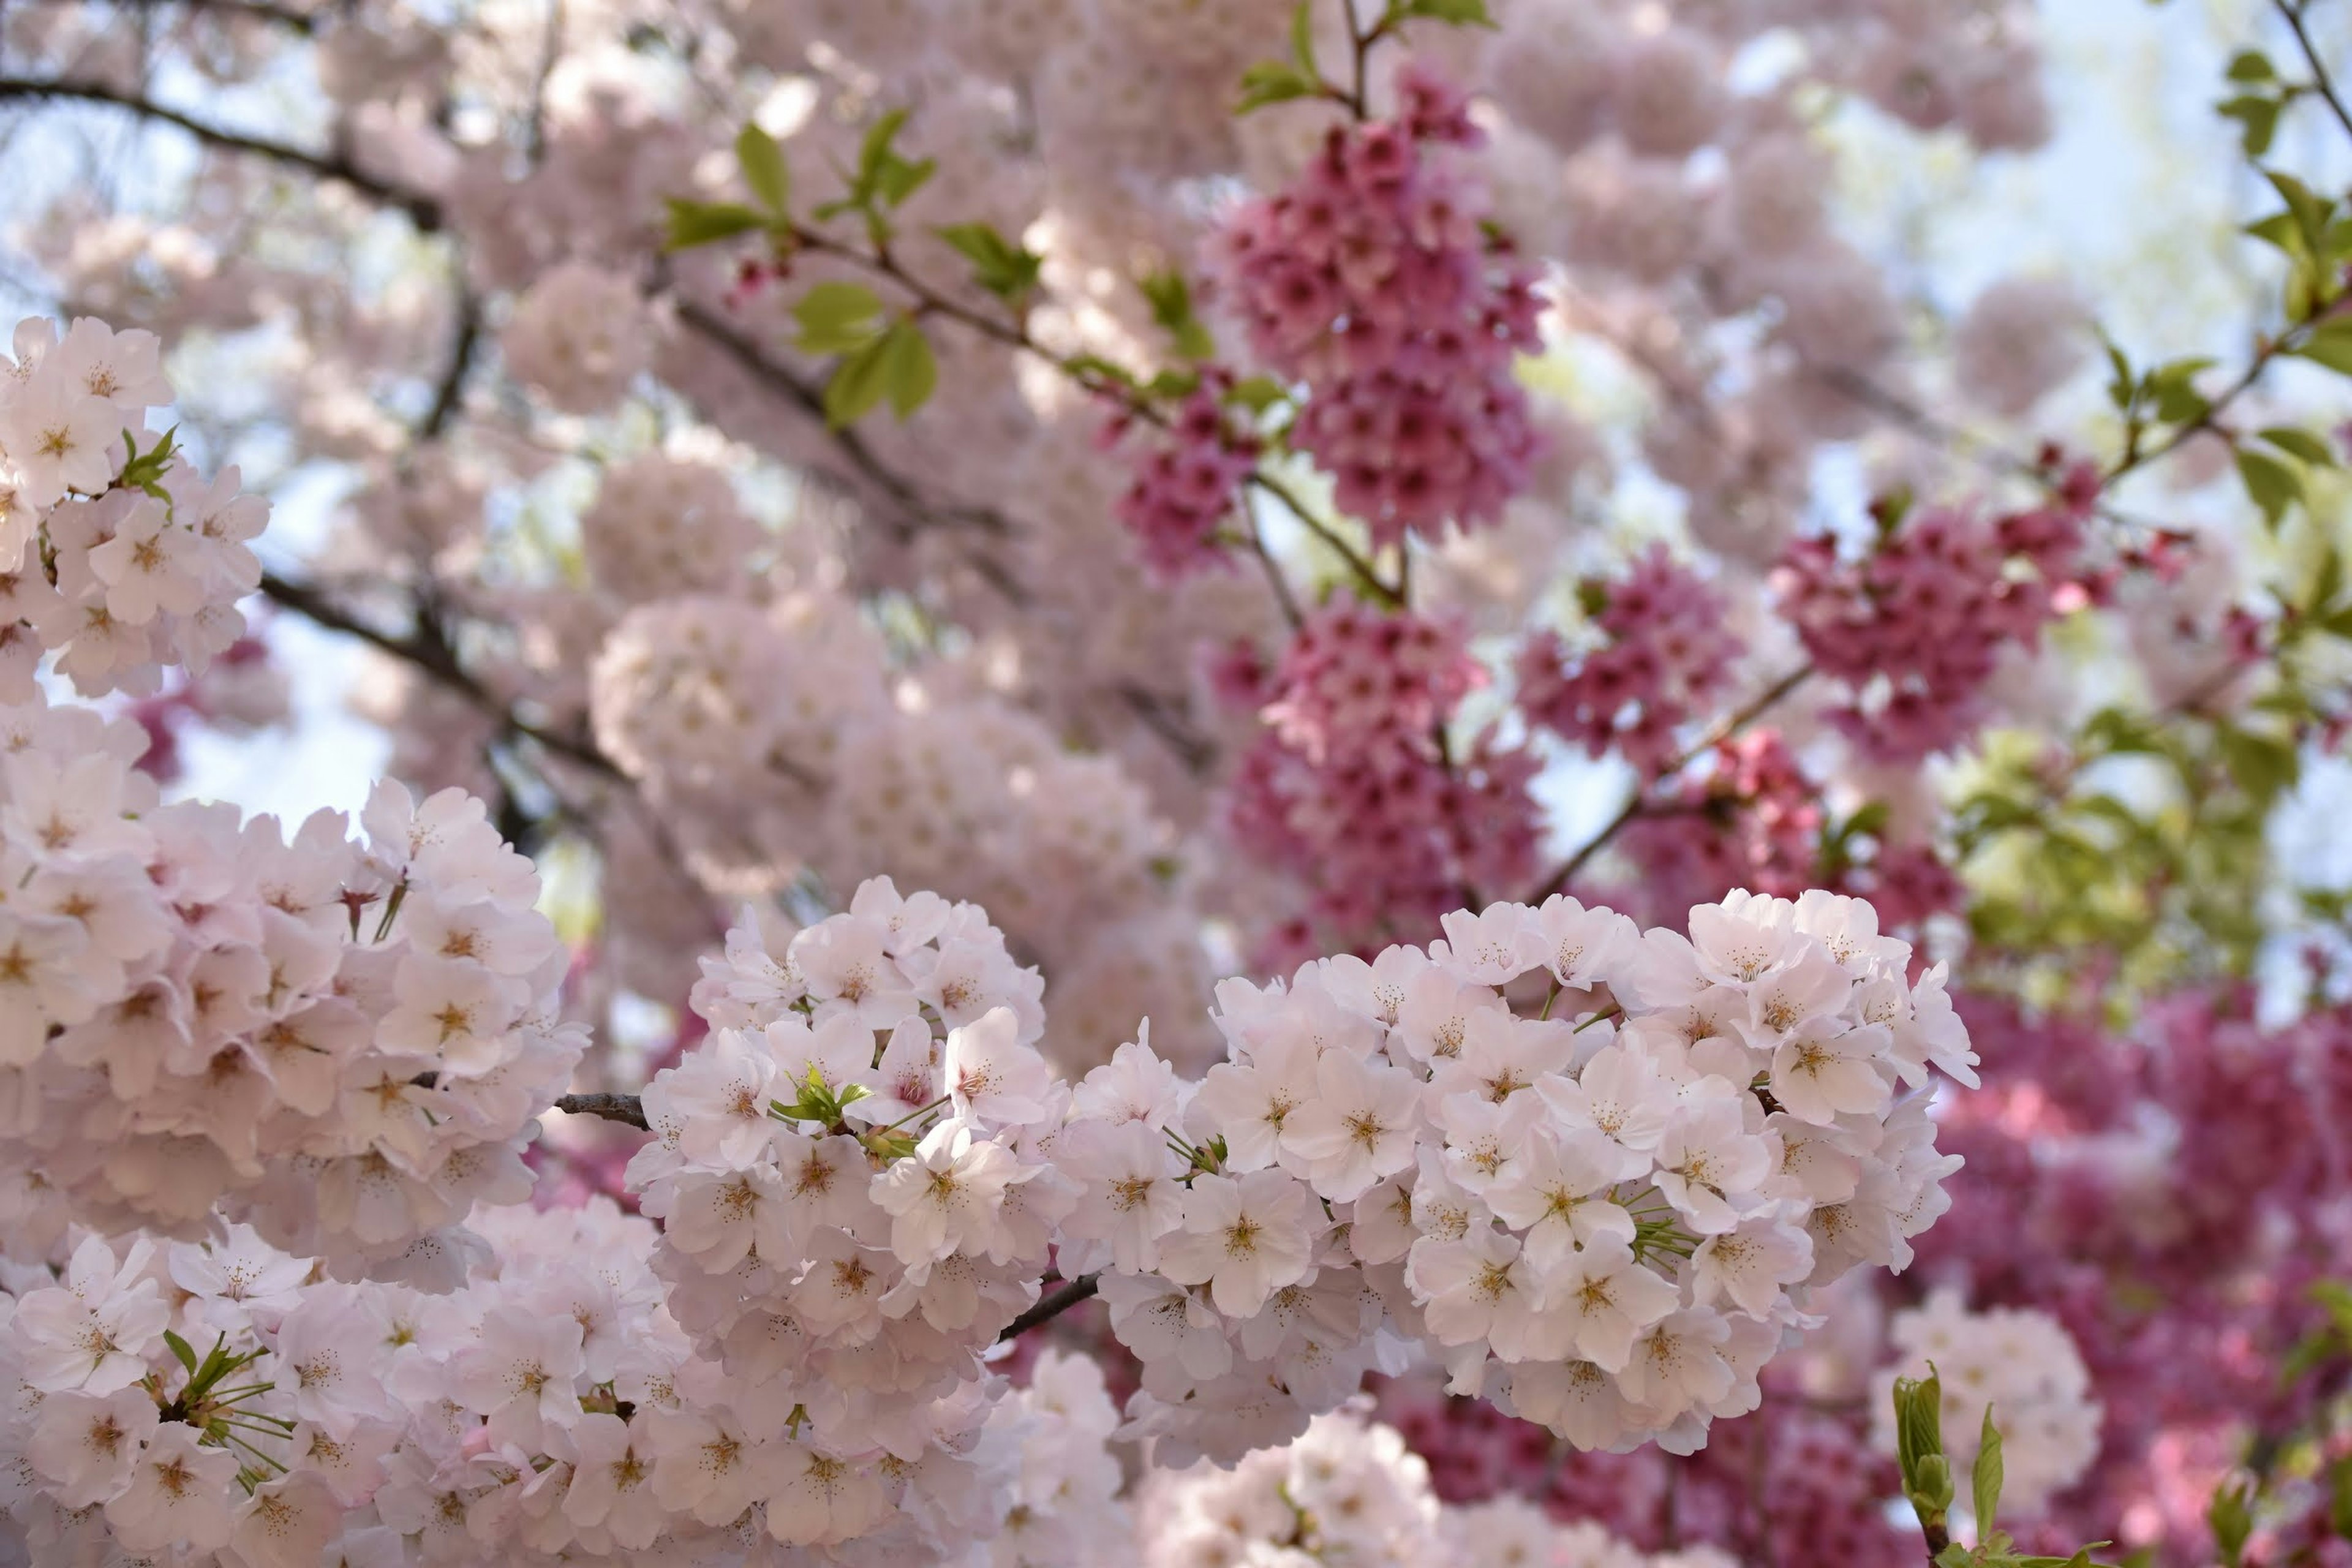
<point x="1746" y="814"/>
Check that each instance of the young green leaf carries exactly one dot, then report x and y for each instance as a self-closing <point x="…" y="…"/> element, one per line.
<point x="182" y="1351"/>
<point x="837" y="318"/>
<point x="2257" y="115"/>
<point x="706" y="222"/>
<point x="2251" y="65"/>
<point x="998" y="265"/>
<point x="2272" y="486"/>
<point x="908" y="369"/>
<point x="2300" y="444"/>
<point x="2330" y="343"/>
<point x="1274" y="81"/>
<point x="1461" y="13"/>
<point x="2231" y="1517"/>
<point x="859" y="383"/>
<point x="1302" y="37"/>
<point x="764" y="167"/>
<point x="1984" y="1481"/>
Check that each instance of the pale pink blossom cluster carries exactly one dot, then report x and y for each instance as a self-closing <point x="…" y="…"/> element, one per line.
<point x="1602" y="1211"/>
<point x="2018" y="1363"/>
<point x="113" y="561"/>
<point x="1666" y="660"/>
<point x="1371" y="280"/>
<point x="343" y="1042"/>
<point x="1348" y="1491"/>
<point x="172" y="1400"/>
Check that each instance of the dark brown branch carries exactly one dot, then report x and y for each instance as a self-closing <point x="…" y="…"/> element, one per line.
<point x="623" y="1108"/>
<point x="431" y="654"/>
<point x="2321" y="82"/>
<point x="447" y="396"/>
<point x="425" y="211"/>
<point x="1053" y="1305"/>
<point x="284" y="16"/>
<point x="1637" y="804"/>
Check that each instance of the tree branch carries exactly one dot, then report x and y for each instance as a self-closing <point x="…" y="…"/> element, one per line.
<point x="626" y="1109"/>
<point x="1051" y="1306"/>
<point x="2320" y="80"/>
<point x="1635" y="806"/>
<point x="422" y="210"/>
<point x="433" y="657"/>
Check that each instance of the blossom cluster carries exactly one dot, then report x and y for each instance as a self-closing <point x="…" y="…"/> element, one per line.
<point x="1185" y="485"/>
<point x="1915" y="627"/>
<point x="193" y="1397"/>
<point x="1371" y="280"/>
<point x="1350" y="785"/>
<point x="1604" y="1216"/>
<point x="343" y="1042"/>
<point x="2018" y="1363"/>
<point x="1350" y="1491"/>
<point x="1666" y="660"/>
<point x="113" y="558"/>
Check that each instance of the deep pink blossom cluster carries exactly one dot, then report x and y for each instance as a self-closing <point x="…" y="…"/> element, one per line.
<point x="1787" y="1483"/>
<point x="2171" y="1195"/>
<point x="1375" y="280"/>
<point x="1751" y="819"/>
<point x="1352" y="787"/>
<point x="1667" y="659"/>
<point x="1915" y="626"/>
<point x="1186" y="483"/>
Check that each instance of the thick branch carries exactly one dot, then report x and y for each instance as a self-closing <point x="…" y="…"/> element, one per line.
<point x="423" y="210"/>
<point x="623" y="1108"/>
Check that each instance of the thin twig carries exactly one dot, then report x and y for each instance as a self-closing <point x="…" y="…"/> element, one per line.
<point x="1636" y="805"/>
<point x="2320" y="80"/>
<point x="1052" y="1306"/>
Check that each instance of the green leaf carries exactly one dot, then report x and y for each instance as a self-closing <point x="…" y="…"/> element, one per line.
<point x="1302" y="37"/>
<point x="876" y="147"/>
<point x="898" y="179"/>
<point x="1171" y="306"/>
<point x="2122" y="384"/>
<point x="1461" y="13"/>
<point x="859" y="383"/>
<point x="1918" y="1418"/>
<point x="2251" y="65"/>
<point x="2330" y="343"/>
<point x="182" y="1351"/>
<point x="763" y="168"/>
<point x="1257" y="394"/>
<point x="2272" y="485"/>
<point x="2299" y="443"/>
<point x="1274" y="81"/>
<point x="998" y="265"/>
<point x="838" y="318"/>
<point x="704" y="223"/>
<point x="1985" y="1480"/>
<point x="2311" y="210"/>
<point x="909" y="372"/>
<point x="2263" y="766"/>
<point x="2232" y="1520"/>
<point x="2257" y="116"/>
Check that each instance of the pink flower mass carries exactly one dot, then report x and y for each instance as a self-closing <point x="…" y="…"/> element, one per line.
<point x="1068" y="783"/>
